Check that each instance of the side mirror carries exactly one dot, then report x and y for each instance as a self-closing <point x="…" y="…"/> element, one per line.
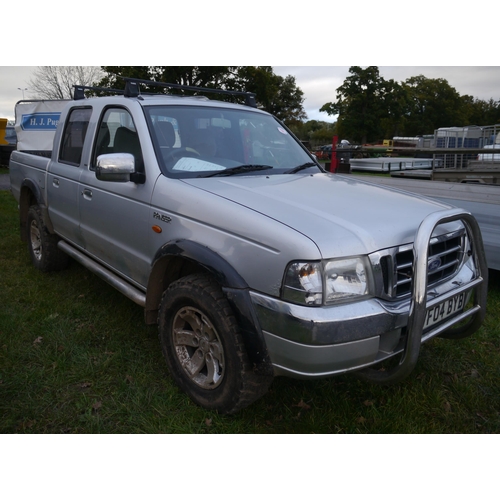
<point x="115" y="167"/>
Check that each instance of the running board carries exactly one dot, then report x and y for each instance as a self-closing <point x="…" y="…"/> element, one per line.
<point x="112" y="279"/>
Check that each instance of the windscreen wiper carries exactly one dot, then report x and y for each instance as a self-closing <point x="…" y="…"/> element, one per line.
<point x="238" y="170"/>
<point x="309" y="164"/>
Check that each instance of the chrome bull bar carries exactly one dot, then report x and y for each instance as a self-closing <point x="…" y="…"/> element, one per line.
<point x="419" y="304"/>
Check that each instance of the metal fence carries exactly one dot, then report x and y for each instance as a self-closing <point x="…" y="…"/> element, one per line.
<point x="472" y="137"/>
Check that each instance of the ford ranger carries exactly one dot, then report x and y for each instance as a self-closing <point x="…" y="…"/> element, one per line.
<point x="252" y="259"/>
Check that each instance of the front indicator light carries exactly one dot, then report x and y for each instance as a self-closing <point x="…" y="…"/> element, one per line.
<point x="303" y="283"/>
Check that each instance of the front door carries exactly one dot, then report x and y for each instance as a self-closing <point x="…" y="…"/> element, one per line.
<point x="114" y="215"/>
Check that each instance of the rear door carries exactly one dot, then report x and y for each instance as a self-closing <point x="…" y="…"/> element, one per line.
<point x="64" y="173"/>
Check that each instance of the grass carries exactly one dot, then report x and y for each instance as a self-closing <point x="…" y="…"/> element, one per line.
<point x="76" y="357"/>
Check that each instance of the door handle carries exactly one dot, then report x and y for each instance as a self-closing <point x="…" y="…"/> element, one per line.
<point x="55" y="182"/>
<point x="87" y="194"/>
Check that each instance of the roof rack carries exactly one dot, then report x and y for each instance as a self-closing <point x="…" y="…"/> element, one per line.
<point x="79" y="92"/>
<point x="132" y="90"/>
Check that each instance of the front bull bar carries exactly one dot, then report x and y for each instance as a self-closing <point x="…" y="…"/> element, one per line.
<point x="419" y="304"/>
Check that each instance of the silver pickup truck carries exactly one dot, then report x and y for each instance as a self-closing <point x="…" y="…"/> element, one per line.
<point x="252" y="259"/>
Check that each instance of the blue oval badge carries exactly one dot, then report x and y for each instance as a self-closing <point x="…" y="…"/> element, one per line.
<point x="434" y="264"/>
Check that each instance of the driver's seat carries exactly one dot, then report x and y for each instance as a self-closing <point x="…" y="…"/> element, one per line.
<point x="166" y="134"/>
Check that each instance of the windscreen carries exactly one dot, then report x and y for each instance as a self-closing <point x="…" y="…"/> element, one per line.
<point x="192" y="141"/>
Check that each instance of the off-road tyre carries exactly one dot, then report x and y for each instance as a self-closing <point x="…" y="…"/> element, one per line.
<point x="42" y="245"/>
<point x="203" y="346"/>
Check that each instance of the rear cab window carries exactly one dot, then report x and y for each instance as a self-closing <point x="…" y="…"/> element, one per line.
<point x="74" y="134"/>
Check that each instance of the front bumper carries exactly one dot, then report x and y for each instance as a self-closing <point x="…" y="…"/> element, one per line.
<point x="314" y="342"/>
<point x="308" y="342"/>
<point x="305" y="342"/>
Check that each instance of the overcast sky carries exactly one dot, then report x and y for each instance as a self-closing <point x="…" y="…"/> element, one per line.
<point x="319" y="83"/>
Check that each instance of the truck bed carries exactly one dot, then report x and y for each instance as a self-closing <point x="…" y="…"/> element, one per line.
<point x="482" y="201"/>
<point x="20" y="164"/>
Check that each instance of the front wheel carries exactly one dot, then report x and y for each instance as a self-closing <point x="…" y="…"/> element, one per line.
<point x="203" y="347"/>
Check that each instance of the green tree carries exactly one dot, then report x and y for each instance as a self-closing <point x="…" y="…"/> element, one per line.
<point x="112" y="75"/>
<point x="433" y="103"/>
<point x="481" y="112"/>
<point x="370" y="107"/>
<point x="393" y="110"/>
<point x="200" y="76"/>
<point x="364" y="100"/>
<point x="315" y="131"/>
<point x="277" y="95"/>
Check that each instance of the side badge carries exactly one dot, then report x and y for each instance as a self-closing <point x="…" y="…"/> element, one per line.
<point x="162" y="217"/>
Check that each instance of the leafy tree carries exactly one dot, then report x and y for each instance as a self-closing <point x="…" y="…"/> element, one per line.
<point x="56" y="82"/>
<point x="201" y="76"/>
<point x="394" y="110"/>
<point x="112" y="75"/>
<point x="275" y="94"/>
<point x="324" y="135"/>
<point x="433" y="103"/>
<point x="371" y="108"/>
<point x="314" y="131"/>
<point x="363" y="101"/>
<point x="480" y="112"/>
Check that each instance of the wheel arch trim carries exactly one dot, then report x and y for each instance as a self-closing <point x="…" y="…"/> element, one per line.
<point x="168" y="265"/>
<point x="30" y="192"/>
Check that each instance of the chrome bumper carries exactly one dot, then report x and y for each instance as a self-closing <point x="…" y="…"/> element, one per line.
<point x="305" y="342"/>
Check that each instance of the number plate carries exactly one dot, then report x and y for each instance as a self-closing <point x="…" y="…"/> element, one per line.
<point x="444" y="310"/>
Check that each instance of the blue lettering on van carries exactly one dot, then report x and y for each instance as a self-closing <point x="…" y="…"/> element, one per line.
<point x="40" y="121"/>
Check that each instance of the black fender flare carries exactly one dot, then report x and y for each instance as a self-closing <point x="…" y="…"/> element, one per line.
<point x="31" y="194"/>
<point x="29" y="185"/>
<point x="179" y="258"/>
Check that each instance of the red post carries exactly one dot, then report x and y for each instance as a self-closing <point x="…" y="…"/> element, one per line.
<point x="334" y="163"/>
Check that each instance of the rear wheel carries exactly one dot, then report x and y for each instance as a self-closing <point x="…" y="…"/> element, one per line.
<point x="203" y="347"/>
<point x="42" y="245"/>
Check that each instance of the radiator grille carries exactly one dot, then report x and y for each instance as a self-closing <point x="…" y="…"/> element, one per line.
<point x="445" y="257"/>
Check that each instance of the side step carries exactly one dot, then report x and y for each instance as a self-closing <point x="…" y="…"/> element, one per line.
<point x="112" y="279"/>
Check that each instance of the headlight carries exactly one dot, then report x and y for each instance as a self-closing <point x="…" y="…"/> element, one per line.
<point x="316" y="283"/>
<point x="346" y="279"/>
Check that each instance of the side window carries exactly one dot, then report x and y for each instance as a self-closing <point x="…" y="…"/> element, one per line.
<point x="117" y="134"/>
<point x="74" y="136"/>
